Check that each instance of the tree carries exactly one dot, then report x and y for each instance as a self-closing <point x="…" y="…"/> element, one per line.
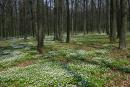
<point x="58" y="20"/>
<point x="68" y="21"/>
<point x="113" y="22"/>
<point x="108" y="17"/>
<point x="85" y="10"/>
<point x="99" y="16"/>
<point x="118" y="17"/>
<point x="39" y="25"/>
<point x="124" y="13"/>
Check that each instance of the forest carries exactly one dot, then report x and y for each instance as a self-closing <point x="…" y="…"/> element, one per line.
<point x="64" y="43"/>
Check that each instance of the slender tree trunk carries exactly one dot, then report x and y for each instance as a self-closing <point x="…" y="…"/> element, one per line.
<point x="85" y="3"/>
<point x="56" y="20"/>
<point x="118" y="18"/>
<point x="113" y="22"/>
<point x="124" y="13"/>
<point x="39" y="26"/>
<point x="99" y="17"/>
<point x="108" y="16"/>
<point x="68" y="22"/>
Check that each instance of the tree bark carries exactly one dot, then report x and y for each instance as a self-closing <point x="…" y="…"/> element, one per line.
<point x="113" y="22"/>
<point x="68" y="22"/>
<point x="39" y="26"/>
<point x="124" y="13"/>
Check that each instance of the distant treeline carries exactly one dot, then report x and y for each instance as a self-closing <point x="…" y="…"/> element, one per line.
<point x="23" y="18"/>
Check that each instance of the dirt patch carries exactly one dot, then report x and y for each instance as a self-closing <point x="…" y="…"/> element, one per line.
<point x="120" y="80"/>
<point x="126" y="83"/>
<point x="116" y="53"/>
<point x="26" y="63"/>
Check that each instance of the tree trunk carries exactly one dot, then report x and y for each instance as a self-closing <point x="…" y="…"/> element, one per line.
<point x="39" y="26"/>
<point x="68" y="22"/>
<point x="118" y="18"/>
<point x="108" y="16"/>
<point x="113" y="22"/>
<point x="124" y="13"/>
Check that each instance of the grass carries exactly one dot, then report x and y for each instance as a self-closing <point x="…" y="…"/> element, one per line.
<point x="85" y="62"/>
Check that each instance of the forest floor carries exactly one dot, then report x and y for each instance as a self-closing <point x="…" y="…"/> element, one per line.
<point x="88" y="61"/>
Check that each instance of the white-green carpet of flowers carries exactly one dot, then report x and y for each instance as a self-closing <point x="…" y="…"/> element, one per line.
<point x="37" y="75"/>
<point x="46" y="73"/>
<point x="61" y="66"/>
<point x="54" y="74"/>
